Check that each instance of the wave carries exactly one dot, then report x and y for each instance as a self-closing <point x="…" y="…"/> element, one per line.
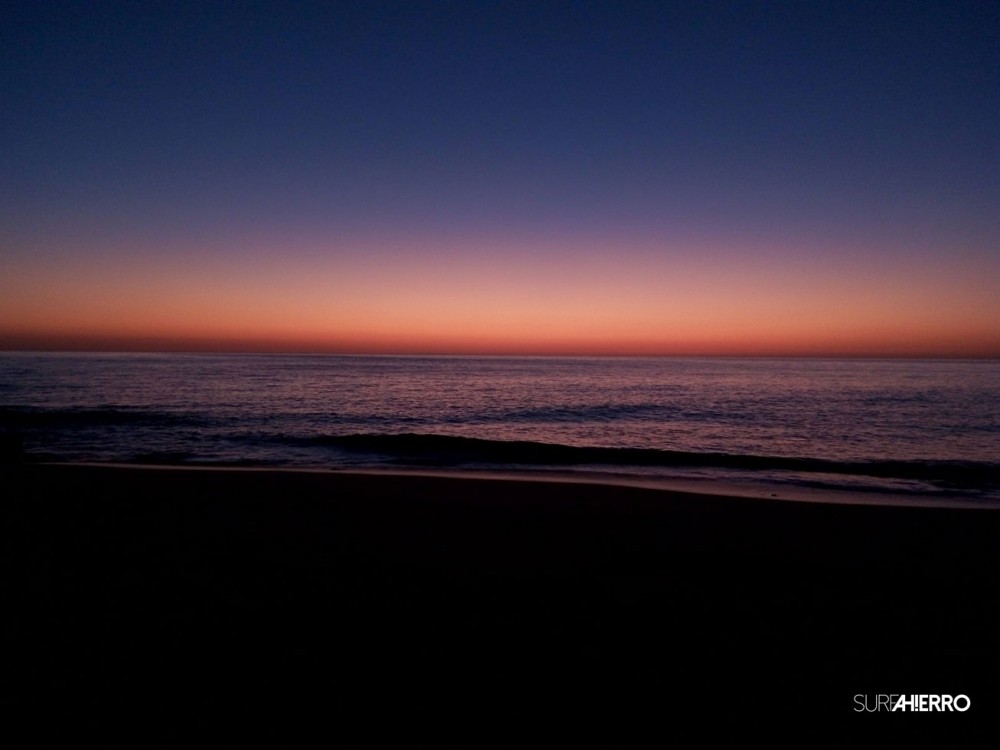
<point x="608" y="413"/>
<point x="452" y="450"/>
<point x="33" y="418"/>
<point x="596" y="412"/>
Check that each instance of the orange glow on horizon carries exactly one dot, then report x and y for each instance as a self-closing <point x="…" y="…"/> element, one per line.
<point x="389" y="344"/>
<point x="580" y="297"/>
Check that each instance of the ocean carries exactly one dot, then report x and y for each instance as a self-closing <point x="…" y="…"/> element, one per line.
<point x="911" y="428"/>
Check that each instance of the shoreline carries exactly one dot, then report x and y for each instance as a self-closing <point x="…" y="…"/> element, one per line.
<point x="705" y="487"/>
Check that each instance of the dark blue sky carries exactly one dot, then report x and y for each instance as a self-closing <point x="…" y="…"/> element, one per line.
<point x="874" y="125"/>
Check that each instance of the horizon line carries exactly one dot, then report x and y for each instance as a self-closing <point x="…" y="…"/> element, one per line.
<point x="502" y="354"/>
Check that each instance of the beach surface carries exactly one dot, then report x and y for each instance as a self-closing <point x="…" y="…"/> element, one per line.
<point x="459" y="610"/>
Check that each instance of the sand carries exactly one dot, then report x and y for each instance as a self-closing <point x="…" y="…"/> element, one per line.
<point x="364" y="609"/>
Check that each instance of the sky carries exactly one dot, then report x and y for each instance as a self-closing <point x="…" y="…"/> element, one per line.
<point x="653" y="178"/>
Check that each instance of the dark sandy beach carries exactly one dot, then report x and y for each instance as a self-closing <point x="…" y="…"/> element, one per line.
<point x="157" y="603"/>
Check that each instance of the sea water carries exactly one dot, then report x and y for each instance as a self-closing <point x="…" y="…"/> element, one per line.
<point x="915" y="427"/>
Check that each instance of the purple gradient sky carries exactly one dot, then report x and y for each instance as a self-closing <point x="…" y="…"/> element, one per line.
<point x="760" y="178"/>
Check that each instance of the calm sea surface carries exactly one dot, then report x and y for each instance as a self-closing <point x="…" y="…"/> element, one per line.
<point x="905" y="426"/>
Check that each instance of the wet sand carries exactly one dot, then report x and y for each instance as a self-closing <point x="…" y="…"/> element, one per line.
<point x="364" y="609"/>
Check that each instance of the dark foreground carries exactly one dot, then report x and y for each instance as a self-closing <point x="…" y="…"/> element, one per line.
<point x="163" y="605"/>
